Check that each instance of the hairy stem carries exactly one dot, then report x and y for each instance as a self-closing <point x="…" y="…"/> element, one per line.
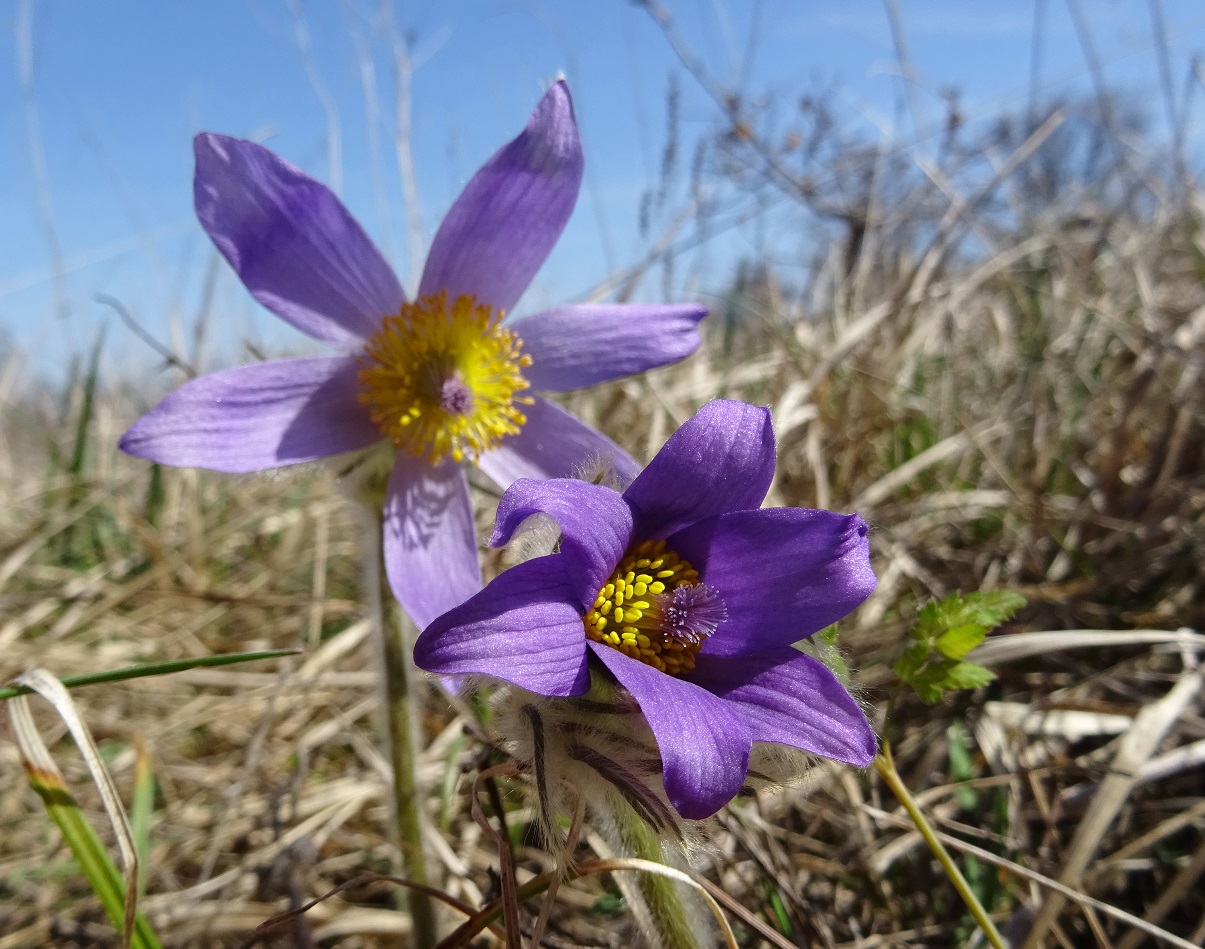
<point x="667" y="915"/>
<point x="886" y="767"/>
<point x="401" y="716"/>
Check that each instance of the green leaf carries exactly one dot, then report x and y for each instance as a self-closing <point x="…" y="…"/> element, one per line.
<point x="929" y="621"/>
<point x="967" y="675"/>
<point x="927" y="688"/>
<point x="824" y="645"/>
<point x="912" y="659"/>
<point x="990" y="608"/>
<point x="986" y="608"/>
<point x="98" y="867"/>
<point x="957" y="642"/>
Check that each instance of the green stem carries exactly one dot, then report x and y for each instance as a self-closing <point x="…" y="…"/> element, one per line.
<point x="671" y="927"/>
<point x="401" y="721"/>
<point x="886" y="767"/>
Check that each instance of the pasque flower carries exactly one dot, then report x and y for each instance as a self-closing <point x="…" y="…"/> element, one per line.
<point x="690" y="595"/>
<point x="441" y="376"/>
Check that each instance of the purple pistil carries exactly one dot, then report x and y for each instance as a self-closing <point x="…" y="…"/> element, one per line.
<point x="455" y="397"/>
<point x="693" y="613"/>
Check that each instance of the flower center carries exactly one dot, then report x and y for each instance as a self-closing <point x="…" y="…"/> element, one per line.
<point x="654" y="609"/>
<point x="442" y="380"/>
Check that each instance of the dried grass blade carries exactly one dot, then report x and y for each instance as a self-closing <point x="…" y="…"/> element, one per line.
<point x="533" y="887"/>
<point x="117" y="891"/>
<point x="1134" y="749"/>
<point x="999" y="649"/>
<point x="1083" y="899"/>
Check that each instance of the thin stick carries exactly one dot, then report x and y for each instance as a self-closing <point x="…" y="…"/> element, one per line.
<point x="330" y="108"/>
<point x="403" y="71"/>
<point x="886" y="767"/>
<point x="37" y="154"/>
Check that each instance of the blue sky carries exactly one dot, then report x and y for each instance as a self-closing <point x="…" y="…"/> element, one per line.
<point x="121" y="86"/>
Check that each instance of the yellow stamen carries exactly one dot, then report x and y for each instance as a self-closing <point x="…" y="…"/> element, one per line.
<point x="442" y="380"/>
<point x="629" y="612"/>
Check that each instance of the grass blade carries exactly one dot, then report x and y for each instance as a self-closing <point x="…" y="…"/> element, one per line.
<point x="152" y="669"/>
<point x="117" y="890"/>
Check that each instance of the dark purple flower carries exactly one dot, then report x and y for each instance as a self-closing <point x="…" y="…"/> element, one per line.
<point x="713" y="592"/>
<point x="441" y="376"/>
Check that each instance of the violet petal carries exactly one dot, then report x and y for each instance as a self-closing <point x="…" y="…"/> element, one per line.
<point x="596" y="526"/>
<point x="787" y="697"/>
<point x="783" y="573"/>
<point x="577" y="346"/>
<point x="292" y="242"/>
<point x="256" y="417"/>
<point x="524" y="628"/>
<point x="430" y="543"/>
<point x="555" y="444"/>
<point x="499" y="231"/>
<point x="721" y="459"/>
<point x="704" y="744"/>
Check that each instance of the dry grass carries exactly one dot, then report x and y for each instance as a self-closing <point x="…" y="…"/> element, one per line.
<point x="1032" y="419"/>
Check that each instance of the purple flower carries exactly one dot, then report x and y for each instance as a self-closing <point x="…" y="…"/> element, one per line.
<point x="690" y="595"/>
<point x="441" y="376"/>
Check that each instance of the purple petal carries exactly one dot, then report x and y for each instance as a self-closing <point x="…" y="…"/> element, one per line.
<point x="783" y="573"/>
<point x="524" y="628"/>
<point x="502" y="227"/>
<point x="596" y="526"/>
<point x="258" y="416"/>
<point x="721" y="459"/>
<point x="555" y="444"/>
<point x="430" y="540"/>
<point x="792" y="699"/>
<point x="577" y="346"/>
<point x="704" y="744"/>
<point x="292" y="242"/>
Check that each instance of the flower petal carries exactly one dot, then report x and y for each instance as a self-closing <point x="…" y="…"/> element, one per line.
<point x="499" y="231"/>
<point x="722" y="459"/>
<point x="596" y="526"/>
<point x="577" y="346"/>
<point x="787" y="697"/>
<point x="555" y="444"/>
<point x="783" y="573"/>
<point x="258" y="416"/>
<point x="292" y="242"/>
<point x="524" y="628"/>
<point x="429" y="537"/>
<point x="704" y="744"/>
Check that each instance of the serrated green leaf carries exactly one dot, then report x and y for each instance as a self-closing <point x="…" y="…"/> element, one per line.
<point x="957" y="642"/>
<point x="986" y="608"/>
<point x="966" y="675"/>
<point x="990" y="608"/>
<point x="928" y="622"/>
<point x="929" y="682"/>
<point x="907" y="665"/>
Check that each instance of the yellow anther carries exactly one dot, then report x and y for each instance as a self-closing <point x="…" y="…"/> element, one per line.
<point x="633" y="599"/>
<point x="445" y="380"/>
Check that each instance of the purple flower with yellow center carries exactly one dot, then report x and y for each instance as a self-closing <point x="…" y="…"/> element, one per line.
<point x="690" y="595"/>
<point x="442" y="376"/>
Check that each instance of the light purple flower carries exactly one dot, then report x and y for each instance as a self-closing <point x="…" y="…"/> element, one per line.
<point x="441" y="376"/>
<point x="714" y="593"/>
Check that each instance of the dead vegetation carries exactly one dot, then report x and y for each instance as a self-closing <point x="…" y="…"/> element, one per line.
<point x="1011" y="395"/>
<point x="1031" y="421"/>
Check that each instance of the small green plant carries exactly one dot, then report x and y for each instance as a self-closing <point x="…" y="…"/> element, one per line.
<point x="934" y="661"/>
